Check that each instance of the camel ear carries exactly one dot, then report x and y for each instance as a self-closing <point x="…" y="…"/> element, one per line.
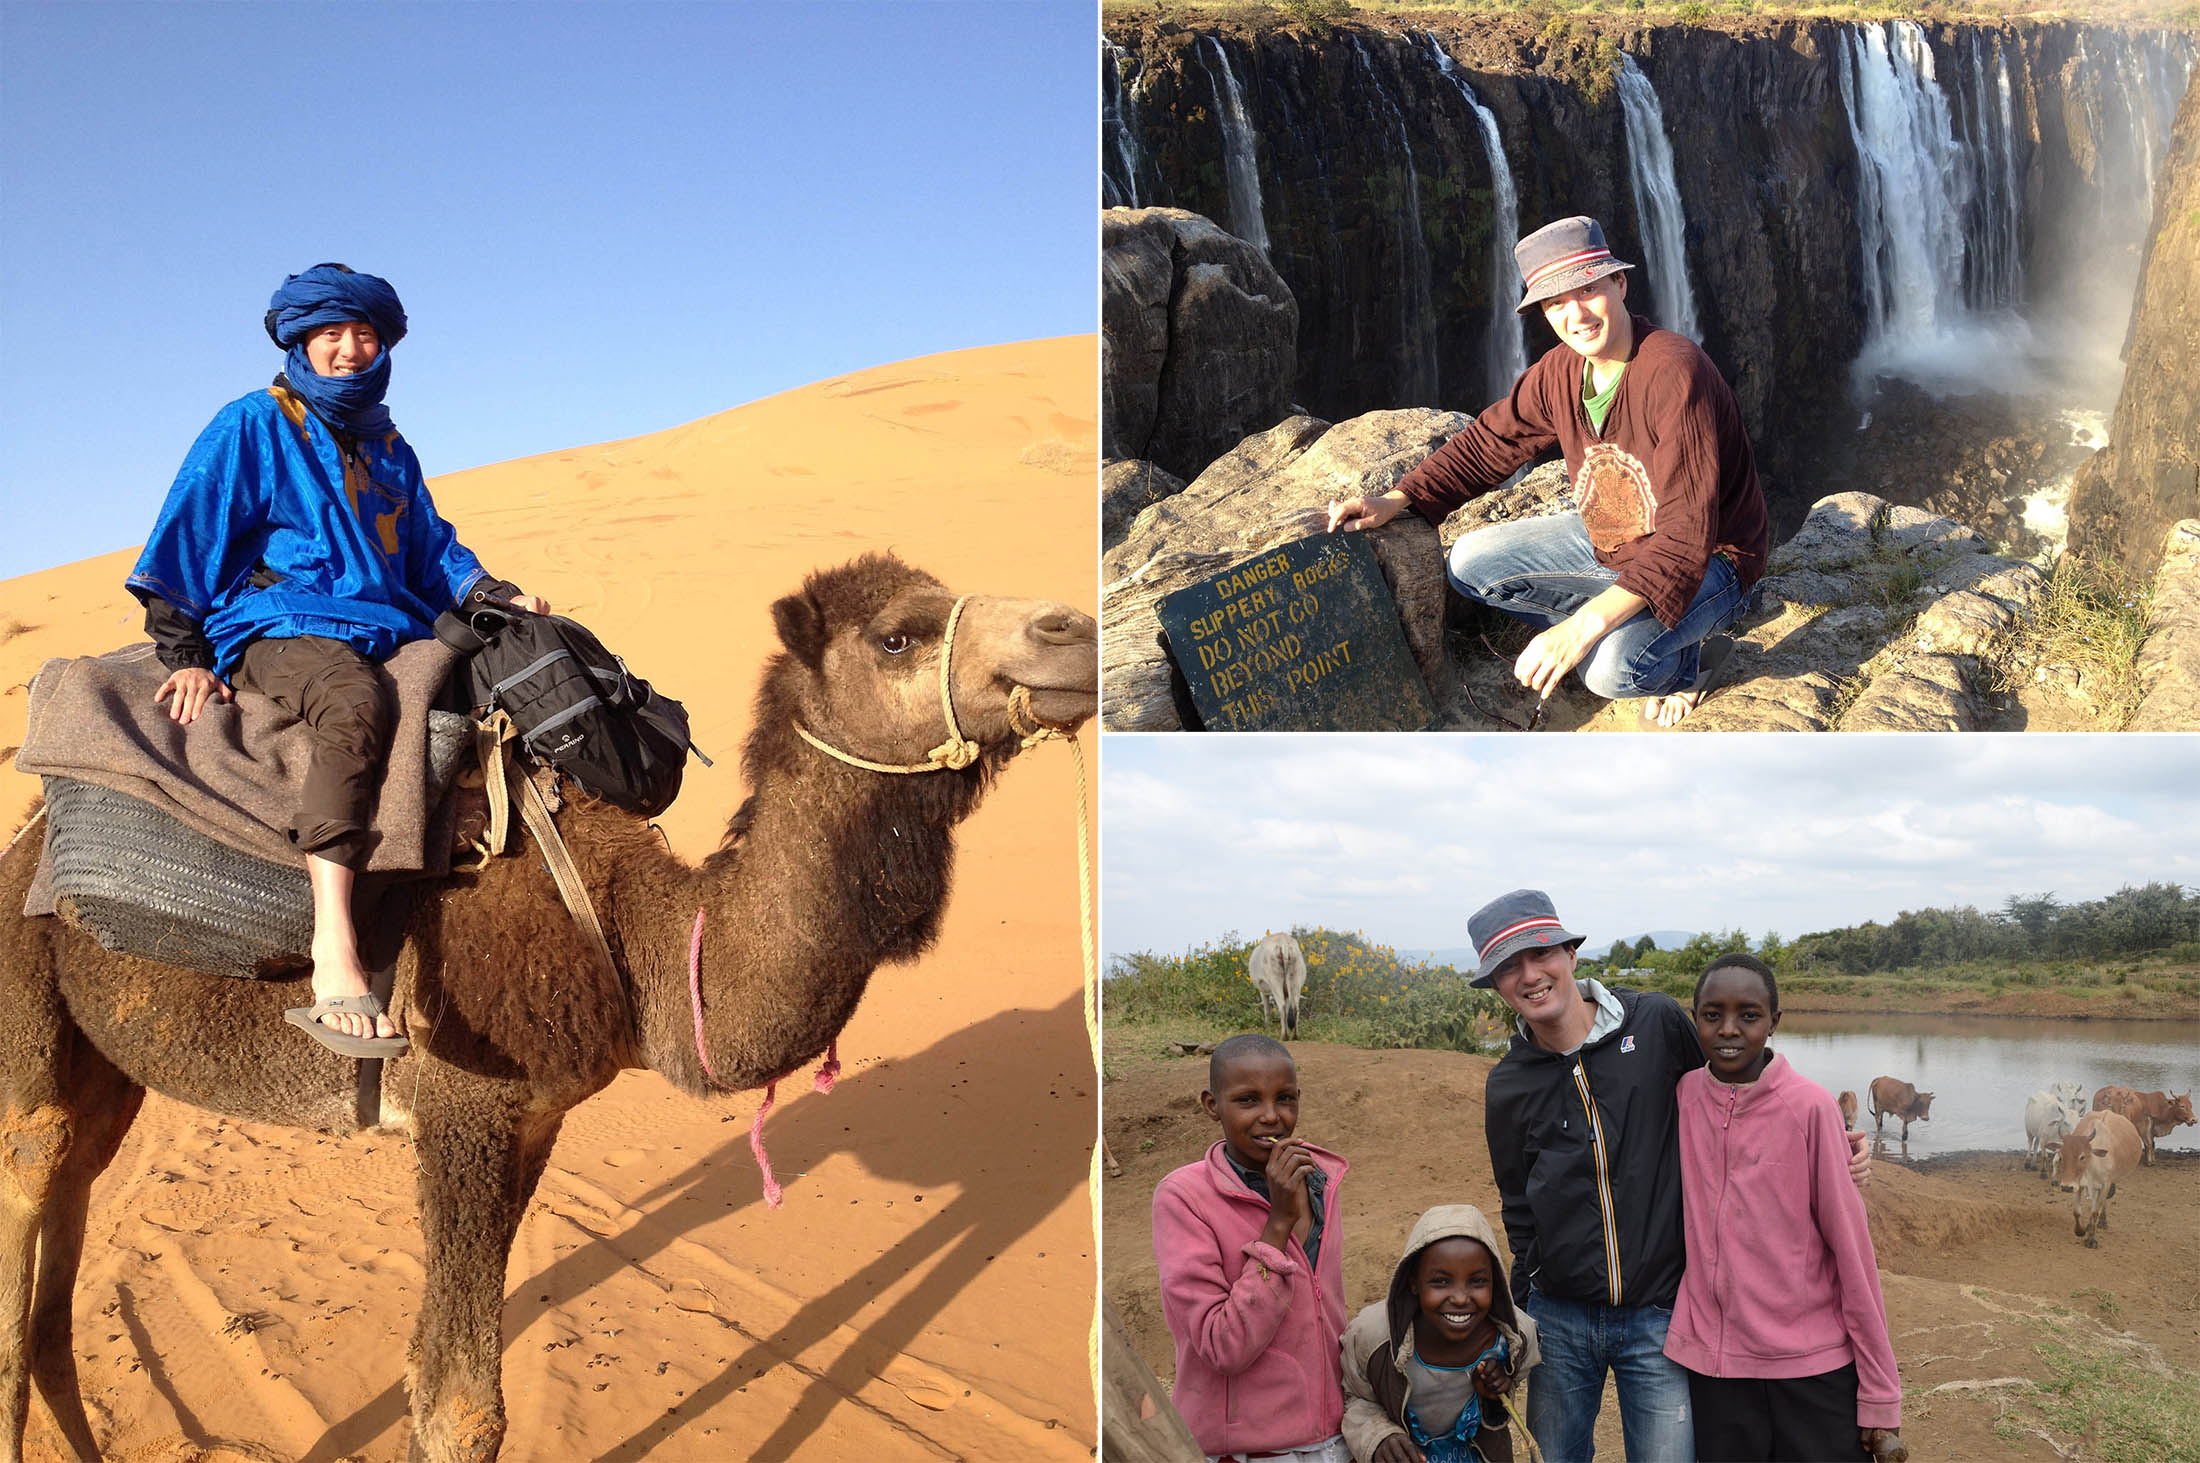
<point x="801" y="628"/>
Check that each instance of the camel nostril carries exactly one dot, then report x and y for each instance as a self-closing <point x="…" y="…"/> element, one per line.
<point x="1064" y="626"/>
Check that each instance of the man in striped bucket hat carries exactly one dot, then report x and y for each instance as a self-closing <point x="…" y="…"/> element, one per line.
<point x="1670" y="534"/>
<point x="1584" y="1135"/>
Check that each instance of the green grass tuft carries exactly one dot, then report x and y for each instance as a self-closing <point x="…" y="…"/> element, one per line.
<point x="2091" y="616"/>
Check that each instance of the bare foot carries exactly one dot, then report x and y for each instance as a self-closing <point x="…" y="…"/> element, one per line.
<point x="1670" y="710"/>
<point x="338" y="972"/>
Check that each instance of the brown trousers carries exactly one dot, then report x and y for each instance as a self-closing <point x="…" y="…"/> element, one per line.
<point x="341" y="696"/>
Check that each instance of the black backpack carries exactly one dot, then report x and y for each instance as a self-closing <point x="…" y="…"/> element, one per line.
<point x="575" y="704"/>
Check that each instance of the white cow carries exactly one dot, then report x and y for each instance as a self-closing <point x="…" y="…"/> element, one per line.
<point x="1277" y="968"/>
<point x="2049" y="1117"/>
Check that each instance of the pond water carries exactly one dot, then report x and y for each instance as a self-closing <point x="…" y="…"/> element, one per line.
<point x="1980" y="1069"/>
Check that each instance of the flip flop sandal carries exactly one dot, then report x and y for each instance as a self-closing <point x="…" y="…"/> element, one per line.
<point x="342" y="1043"/>
<point x="1711" y="662"/>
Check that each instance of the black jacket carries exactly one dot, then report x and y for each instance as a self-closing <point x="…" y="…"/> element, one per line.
<point x="1586" y="1149"/>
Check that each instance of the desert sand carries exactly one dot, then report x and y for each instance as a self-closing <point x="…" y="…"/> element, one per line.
<point x="926" y="1291"/>
<point x="1978" y="1264"/>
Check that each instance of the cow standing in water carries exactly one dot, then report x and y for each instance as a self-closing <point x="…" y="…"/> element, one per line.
<point x="2103" y="1149"/>
<point x="2150" y="1113"/>
<point x="1847" y="1102"/>
<point x="1892" y="1098"/>
<point x="1277" y="969"/>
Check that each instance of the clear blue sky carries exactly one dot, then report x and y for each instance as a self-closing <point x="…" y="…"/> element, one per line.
<point x="603" y="219"/>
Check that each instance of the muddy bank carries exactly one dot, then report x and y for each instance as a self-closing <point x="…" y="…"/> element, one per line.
<point x="1978" y="1263"/>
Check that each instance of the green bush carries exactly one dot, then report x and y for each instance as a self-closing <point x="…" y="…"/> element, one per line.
<point x="1695" y="12"/>
<point x="1357" y="992"/>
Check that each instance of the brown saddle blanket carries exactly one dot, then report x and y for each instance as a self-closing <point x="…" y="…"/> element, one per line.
<point x="236" y="773"/>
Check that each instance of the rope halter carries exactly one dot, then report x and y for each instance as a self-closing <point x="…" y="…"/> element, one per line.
<point x="958" y="751"/>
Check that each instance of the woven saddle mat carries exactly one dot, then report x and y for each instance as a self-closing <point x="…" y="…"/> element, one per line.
<point x="143" y="882"/>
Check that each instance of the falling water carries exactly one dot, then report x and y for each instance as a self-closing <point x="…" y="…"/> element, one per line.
<point x="1993" y="274"/>
<point x="1506" y="346"/>
<point x="1122" y="158"/>
<point x="1238" y="165"/>
<point x="1417" y="308"/>
<point x="1916" y="182"/>
<point x="1657" y="201"/>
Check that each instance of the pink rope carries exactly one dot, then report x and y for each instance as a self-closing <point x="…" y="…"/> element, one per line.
<point x="695" y="992"/>
<point x="772" y="1190"/>
<point x="827" y="1072"/>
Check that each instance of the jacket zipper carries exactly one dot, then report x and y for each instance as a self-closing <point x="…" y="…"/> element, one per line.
<point x="1722" y="1275"/>
<point x="1604" y="1183"/>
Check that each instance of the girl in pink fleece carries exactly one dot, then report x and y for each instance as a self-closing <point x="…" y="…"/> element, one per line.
<point x="1779" y="1319"/>
<point x="1252" y="1271"/>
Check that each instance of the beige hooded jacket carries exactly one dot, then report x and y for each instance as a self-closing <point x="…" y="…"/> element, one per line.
<point x="1379" y="1341"/>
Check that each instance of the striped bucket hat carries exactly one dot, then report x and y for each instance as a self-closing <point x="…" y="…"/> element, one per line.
<point x="1563" y="256"/>
<point x="1522" y="920"/>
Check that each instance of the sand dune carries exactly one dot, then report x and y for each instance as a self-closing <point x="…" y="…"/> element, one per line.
<point x="926" y="1290"/>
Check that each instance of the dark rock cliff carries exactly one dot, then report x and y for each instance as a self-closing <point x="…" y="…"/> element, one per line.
<point x="1378" y="199"/>
<point x="2148" y="478"/>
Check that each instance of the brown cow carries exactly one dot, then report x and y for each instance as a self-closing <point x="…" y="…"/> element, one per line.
<point x="2151" y="1113"/>
<point x="1892" y="1098"/>
<point x="1848" y="1110"/>
<point x="2102" y="1149"/>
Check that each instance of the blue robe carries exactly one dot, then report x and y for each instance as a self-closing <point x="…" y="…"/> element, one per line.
<point x="356" y="547"/>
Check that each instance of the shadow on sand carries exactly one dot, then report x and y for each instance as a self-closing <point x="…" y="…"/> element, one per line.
<point x="1007" y="1189"/>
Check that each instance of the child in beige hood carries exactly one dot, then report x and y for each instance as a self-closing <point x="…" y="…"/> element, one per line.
<point x="1427" y="1368"/>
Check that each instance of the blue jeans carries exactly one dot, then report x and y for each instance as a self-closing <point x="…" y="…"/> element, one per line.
<point x="1580" y="1342"/>
<point x="1543" y="569"/>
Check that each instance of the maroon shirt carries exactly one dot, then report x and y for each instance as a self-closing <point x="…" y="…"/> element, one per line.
<point x="1669" y="482"/>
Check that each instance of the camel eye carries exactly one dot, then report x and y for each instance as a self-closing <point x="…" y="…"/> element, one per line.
<point x="895" y="643"/>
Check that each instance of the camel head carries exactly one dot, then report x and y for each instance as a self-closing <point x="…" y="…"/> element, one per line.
<point x="862" y="664"/>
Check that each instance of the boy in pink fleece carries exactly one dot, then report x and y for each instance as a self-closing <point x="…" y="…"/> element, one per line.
<point x="1252" y="1270"/>
<point x="1779" y="1319"/>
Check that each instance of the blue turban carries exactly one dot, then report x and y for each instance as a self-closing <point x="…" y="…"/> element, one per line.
<point x="329" y="294"/>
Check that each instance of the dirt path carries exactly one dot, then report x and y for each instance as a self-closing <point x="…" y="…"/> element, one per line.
<point x="1978" y="1263"/>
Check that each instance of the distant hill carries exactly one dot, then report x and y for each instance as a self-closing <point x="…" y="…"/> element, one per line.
<point x="1459" y="957"/>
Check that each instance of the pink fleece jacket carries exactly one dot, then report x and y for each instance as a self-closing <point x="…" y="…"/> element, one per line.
<point x="1256" y="1328"/>
<point x="1781" y="1278"/>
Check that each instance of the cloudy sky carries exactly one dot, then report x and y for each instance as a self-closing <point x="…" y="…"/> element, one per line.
<point x="1404" y="837"/>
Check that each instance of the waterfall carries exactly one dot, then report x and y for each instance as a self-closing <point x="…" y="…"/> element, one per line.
<point x="2012" y="193"/>
<point x="1238" y="163"/>
<point x="1505" y="347"/>
<point x="1657" y="201"/>
<point x="1122" y="159"/>
<point x="2128" y="85"/>
<point x="1992" y="277"/>
<point x="1916" y="182"/>
<point x="1416" y="305"/>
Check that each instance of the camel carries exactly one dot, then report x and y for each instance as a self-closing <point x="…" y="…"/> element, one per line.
<point x="1277" y="969"/>
<point x="826" y="872"/>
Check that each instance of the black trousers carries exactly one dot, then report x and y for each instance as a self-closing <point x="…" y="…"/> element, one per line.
<point x="1776" y="1419"/>
<point x="339" y="694"/>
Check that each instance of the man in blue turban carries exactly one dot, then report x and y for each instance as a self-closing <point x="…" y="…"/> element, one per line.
<point x="297" y="547"/>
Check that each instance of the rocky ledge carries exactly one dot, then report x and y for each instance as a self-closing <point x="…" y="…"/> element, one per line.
<point x="1872" y="617"/>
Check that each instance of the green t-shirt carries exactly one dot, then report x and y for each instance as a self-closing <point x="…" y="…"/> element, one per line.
<point x="1599" y="405"/>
